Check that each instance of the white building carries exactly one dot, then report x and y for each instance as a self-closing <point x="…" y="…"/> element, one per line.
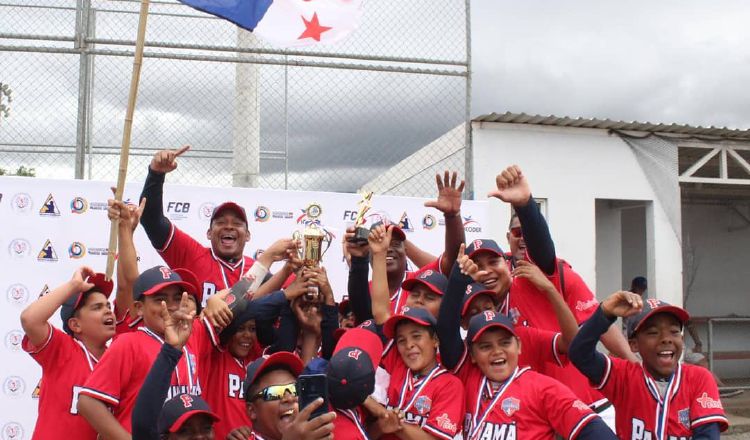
<point x="669" y="202"/>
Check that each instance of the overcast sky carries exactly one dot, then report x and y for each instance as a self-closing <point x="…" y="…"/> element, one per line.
<point x="684" y="61"/>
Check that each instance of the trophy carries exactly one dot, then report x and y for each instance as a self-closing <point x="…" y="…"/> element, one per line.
<point x="314" y="240"/>
<point x="361" y="232"/>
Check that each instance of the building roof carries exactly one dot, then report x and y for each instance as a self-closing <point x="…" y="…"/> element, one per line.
<point x="608" y="124"/>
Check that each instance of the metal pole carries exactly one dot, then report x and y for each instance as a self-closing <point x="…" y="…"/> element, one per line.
<point x="710" y="345"/>
<point x="469" y="151"/>
<point x="90" y="97"/>
<point x="286" y="124"/>
<point x="82" y="19"/>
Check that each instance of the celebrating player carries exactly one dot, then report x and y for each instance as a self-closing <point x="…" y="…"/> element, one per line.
<point x="118" y="377"/>
<point x="67" y="359"/>
<point x="504" y="401"/>
<point x="659" y="398"/>
<point x="220" y="266"/>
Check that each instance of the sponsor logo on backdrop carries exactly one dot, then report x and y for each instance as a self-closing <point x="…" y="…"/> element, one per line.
<point x="17" y="294"/>
<point x="37" y="390"/>
<point x="205" y="210"/>
<point x="98" y="206"/>
<point x="79" y="205"/>
<point x="44" y="291"/>
<point x="13" y="340"/>
<point x="471" y="225"/>
<point x="178" y="210"/>
<point x="47" y="254"/>
<point x="284" y="215"/>
<point x="405" y="223"/>
<point x="22" y="203"/>
<point x="1" y="197"/>
<point x="262" y="214"/>
<point x="12" y="431"/>
<point x="19" y="248"/>
<point x="49" y="208"/>
<point x="14" y="386"/>
<point x="77" y="250"/>
<point x="429" y="222"/>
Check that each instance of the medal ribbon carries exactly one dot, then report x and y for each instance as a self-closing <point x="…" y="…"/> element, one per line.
<point x="90" y="358"/>
<point x="185" y="352"/>
<point x="662" y="407"/>
<point x="407" y="384"/>
<point x="477" y="424"/>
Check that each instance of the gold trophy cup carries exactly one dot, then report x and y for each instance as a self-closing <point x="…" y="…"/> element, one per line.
<point x="314" y="241"/>
<point x="361" y="232"/>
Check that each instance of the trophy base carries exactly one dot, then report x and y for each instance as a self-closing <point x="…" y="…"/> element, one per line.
<point x="360" y="235"/>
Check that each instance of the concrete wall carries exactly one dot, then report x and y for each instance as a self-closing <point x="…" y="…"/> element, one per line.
<point x="572" y="167"/>
<point x="634" y="251"/>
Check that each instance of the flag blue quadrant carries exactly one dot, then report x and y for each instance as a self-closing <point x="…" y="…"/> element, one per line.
<point x="244" y="13"/>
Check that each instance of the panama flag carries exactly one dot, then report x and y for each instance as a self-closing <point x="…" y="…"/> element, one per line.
<point x="288" y="23"/>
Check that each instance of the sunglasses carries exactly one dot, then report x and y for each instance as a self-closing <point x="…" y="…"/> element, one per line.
<point x="276" y="392"/>
<point x="516" y="232"/>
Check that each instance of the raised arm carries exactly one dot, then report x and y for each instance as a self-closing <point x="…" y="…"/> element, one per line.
<point x="34" y="317"/>
<point x="582" y="351"/>
<point x="357" y="287"/>
<point x="417" y="255"/>
<point x="156" y="225"/>
<point x="513" y="188"/>
<point x="449" y="203"/>
<point x="449" y="317"/>
<point x="379" y="240"/>
<point x="127" y="259"/>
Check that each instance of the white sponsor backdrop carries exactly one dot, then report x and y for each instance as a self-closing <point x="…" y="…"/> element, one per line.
<point x="50" y="227"/>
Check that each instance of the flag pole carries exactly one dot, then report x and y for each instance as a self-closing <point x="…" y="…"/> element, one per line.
<point x="125" y="149"/>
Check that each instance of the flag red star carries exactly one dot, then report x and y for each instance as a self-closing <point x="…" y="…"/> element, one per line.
<point x="313" y="29"/>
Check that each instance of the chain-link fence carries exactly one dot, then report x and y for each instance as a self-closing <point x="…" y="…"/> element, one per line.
<point x="318" y="118"/>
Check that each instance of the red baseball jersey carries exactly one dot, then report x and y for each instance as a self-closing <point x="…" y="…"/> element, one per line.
<point x="527" y="306"/>
<point x="182" y="250"/>
<point x="538" y="351"/>
<point x="349" y="424"/>
<point x="642" y="413"/>
<point x="66" y="364"/>
<point x="123" y="369"/>
<point x="528" y="405"/>
<point x="428" y="401"/>
<point x="222" y="376"/>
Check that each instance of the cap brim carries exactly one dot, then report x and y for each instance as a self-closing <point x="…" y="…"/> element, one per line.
<point x="681" y="314"/>
<point x="398" y="233"/>
<point x="101" y="284"/>
<point x="410" y="283"/>
<point x="389" y="328"/>
<point x="290" y="360"/>
<point x="486" y="250"/>
<point x="189" y="287"/>
<point x="231" y="206"/>
<point x="474" y="295"/>
<point x="184" y="417"/>
<point x="490" y="326"/>
<point x="343" y="305"/>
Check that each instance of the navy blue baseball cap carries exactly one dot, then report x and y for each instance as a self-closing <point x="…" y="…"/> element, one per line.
<point x="651" y="307"/>
<point x="483" y="245"/>
<point x="283" y="358"/>
<point x="416" y="315"/>
<point x="75" y="301"/>
<point x="433" y="280"/>
<point x="473" y="290"/>
<point x="153" y="280"/>
<point x="485" y="321"/>
<point x="177" y="410"/>
<point x="351" y="370"/>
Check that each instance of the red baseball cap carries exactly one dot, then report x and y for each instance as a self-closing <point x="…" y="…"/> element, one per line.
<point x="416" y="315"/>
<point x="285" y="358"/>
<point x="69" y="307"/>
<point x="237" y="209"/>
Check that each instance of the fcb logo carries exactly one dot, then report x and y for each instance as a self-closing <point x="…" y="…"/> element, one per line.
<point x="262" y="214"/>
<point x="12" y="431"/>
<point x="423" y="405"/>
<point x="511" y="405"/>
<point x="17" y="294"/>
<point x="19" y="248"/>
<point x="47" y="253"/>
<point x="22" y="203"/>
<point x="429" y="222"/>
<point x="77" y="250"/>
<point x="49" y="208"/>
<point x="14" y="386"/>
<point x="205" y="211"/>
<point x="13" y="340"/>
<point x="79" y="205"/>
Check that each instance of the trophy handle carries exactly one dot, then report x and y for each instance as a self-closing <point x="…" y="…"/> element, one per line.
<point x="297" y="236"/>
<point x="327" y="239"/>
